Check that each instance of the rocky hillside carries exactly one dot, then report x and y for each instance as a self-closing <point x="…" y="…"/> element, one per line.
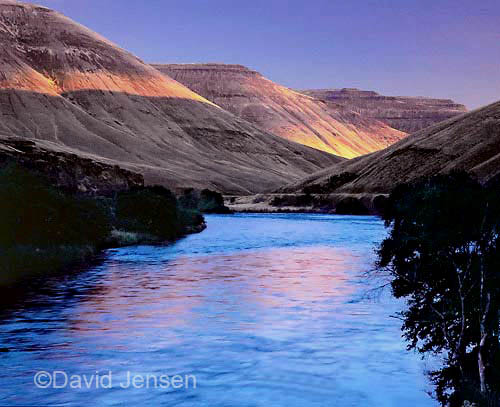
<point x="62" y="83"/>
<point x="71" y="172"/>
<point x="284" y="112"/>
<point x="470" y="142"/>
<point x="408" y="114"/>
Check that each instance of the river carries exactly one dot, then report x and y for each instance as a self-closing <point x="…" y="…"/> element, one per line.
<point x="257" y="310"/>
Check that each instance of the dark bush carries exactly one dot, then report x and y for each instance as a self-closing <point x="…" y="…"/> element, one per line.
<point x="380" y="204"/>
<point x="206" y="201"/>
<point x="212" y="202"/>
<point x="45" y="229"/>
<point x="299" y="200"/>
<point x="189" y="199"/>
<point x="150" y="210"/>
<point x="351" y="206"/>
<point x="191" y="220"/>
<point x="34" y="213"/>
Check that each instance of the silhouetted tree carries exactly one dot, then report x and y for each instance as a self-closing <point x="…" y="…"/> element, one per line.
<point x="443" y="257"/>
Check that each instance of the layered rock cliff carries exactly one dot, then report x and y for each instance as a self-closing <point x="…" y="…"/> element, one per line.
<point x="408" y="114"/>
<point x="284" y="112"/>
<point x="60" y="82"/>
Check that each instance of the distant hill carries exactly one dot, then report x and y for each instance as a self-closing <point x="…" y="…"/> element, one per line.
<point x="62" y="83"/>
<point x="408" y="114"/>
<point x="284" y="112"/>
<point x="470" y="142"/>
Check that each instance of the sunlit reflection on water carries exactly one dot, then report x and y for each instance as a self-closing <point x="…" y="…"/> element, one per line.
<point x="264" y="310"/>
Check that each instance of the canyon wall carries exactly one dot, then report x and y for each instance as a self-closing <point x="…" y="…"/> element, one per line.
<point x="63" y="83"/>
<point x="408" y="114"/>
<point x="284" y="112"/>
<point x="469" y="143"/>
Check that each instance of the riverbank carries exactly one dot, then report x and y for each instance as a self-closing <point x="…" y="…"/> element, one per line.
<point x="341" y="204"/>
<point x="45" y="228"/>
<point x="23" y="262"/>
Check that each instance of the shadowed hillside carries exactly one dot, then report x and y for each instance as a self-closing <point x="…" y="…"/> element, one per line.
<point x="63" y="83"/>
<point x="470" y="143"/>
<point x="284" y="112"/>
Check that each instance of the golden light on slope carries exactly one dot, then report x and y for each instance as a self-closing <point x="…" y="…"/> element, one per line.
<point x="73" y="81"/>
<point x="133" y="84"/>
<point x="283" y="111"/>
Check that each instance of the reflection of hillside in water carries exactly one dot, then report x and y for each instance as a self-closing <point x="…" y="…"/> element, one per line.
<point x="248" y="287"/>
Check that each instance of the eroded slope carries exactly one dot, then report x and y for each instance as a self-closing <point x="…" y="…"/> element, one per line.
<point x="63" y="83"/>
<point x="284" y="112"/>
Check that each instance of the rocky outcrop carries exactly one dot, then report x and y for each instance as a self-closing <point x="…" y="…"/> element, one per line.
<point x="408" y="114"/>
<point x="68" y="171"/>
<point x="470" y="143"/>
<point x="62" y="83"/>
<point x="284" y="112"/>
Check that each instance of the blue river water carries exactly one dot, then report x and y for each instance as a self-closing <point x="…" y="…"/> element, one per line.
<point x="257" y="310"/>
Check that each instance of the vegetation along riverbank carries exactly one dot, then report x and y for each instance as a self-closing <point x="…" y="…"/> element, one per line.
<point x="45" y="228"/>
<point x="443" y="256"/>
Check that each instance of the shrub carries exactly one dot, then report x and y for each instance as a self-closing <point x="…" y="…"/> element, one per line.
<point x="206" y="201"/>
<point x="34" y="213"/>
<point x="380" y="203"/>
<point x="45" y="229"/>
<point x="351" y="206"/>
<point x="212" y="202"/>
<point x="297" y="200"/>
<point x="151" y="210"/>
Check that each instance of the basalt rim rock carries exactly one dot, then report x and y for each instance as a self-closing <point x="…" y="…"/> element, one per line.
<point x="405" y="113"/>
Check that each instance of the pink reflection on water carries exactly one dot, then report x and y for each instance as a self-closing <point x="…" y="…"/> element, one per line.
<point x="244" y="291"/>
